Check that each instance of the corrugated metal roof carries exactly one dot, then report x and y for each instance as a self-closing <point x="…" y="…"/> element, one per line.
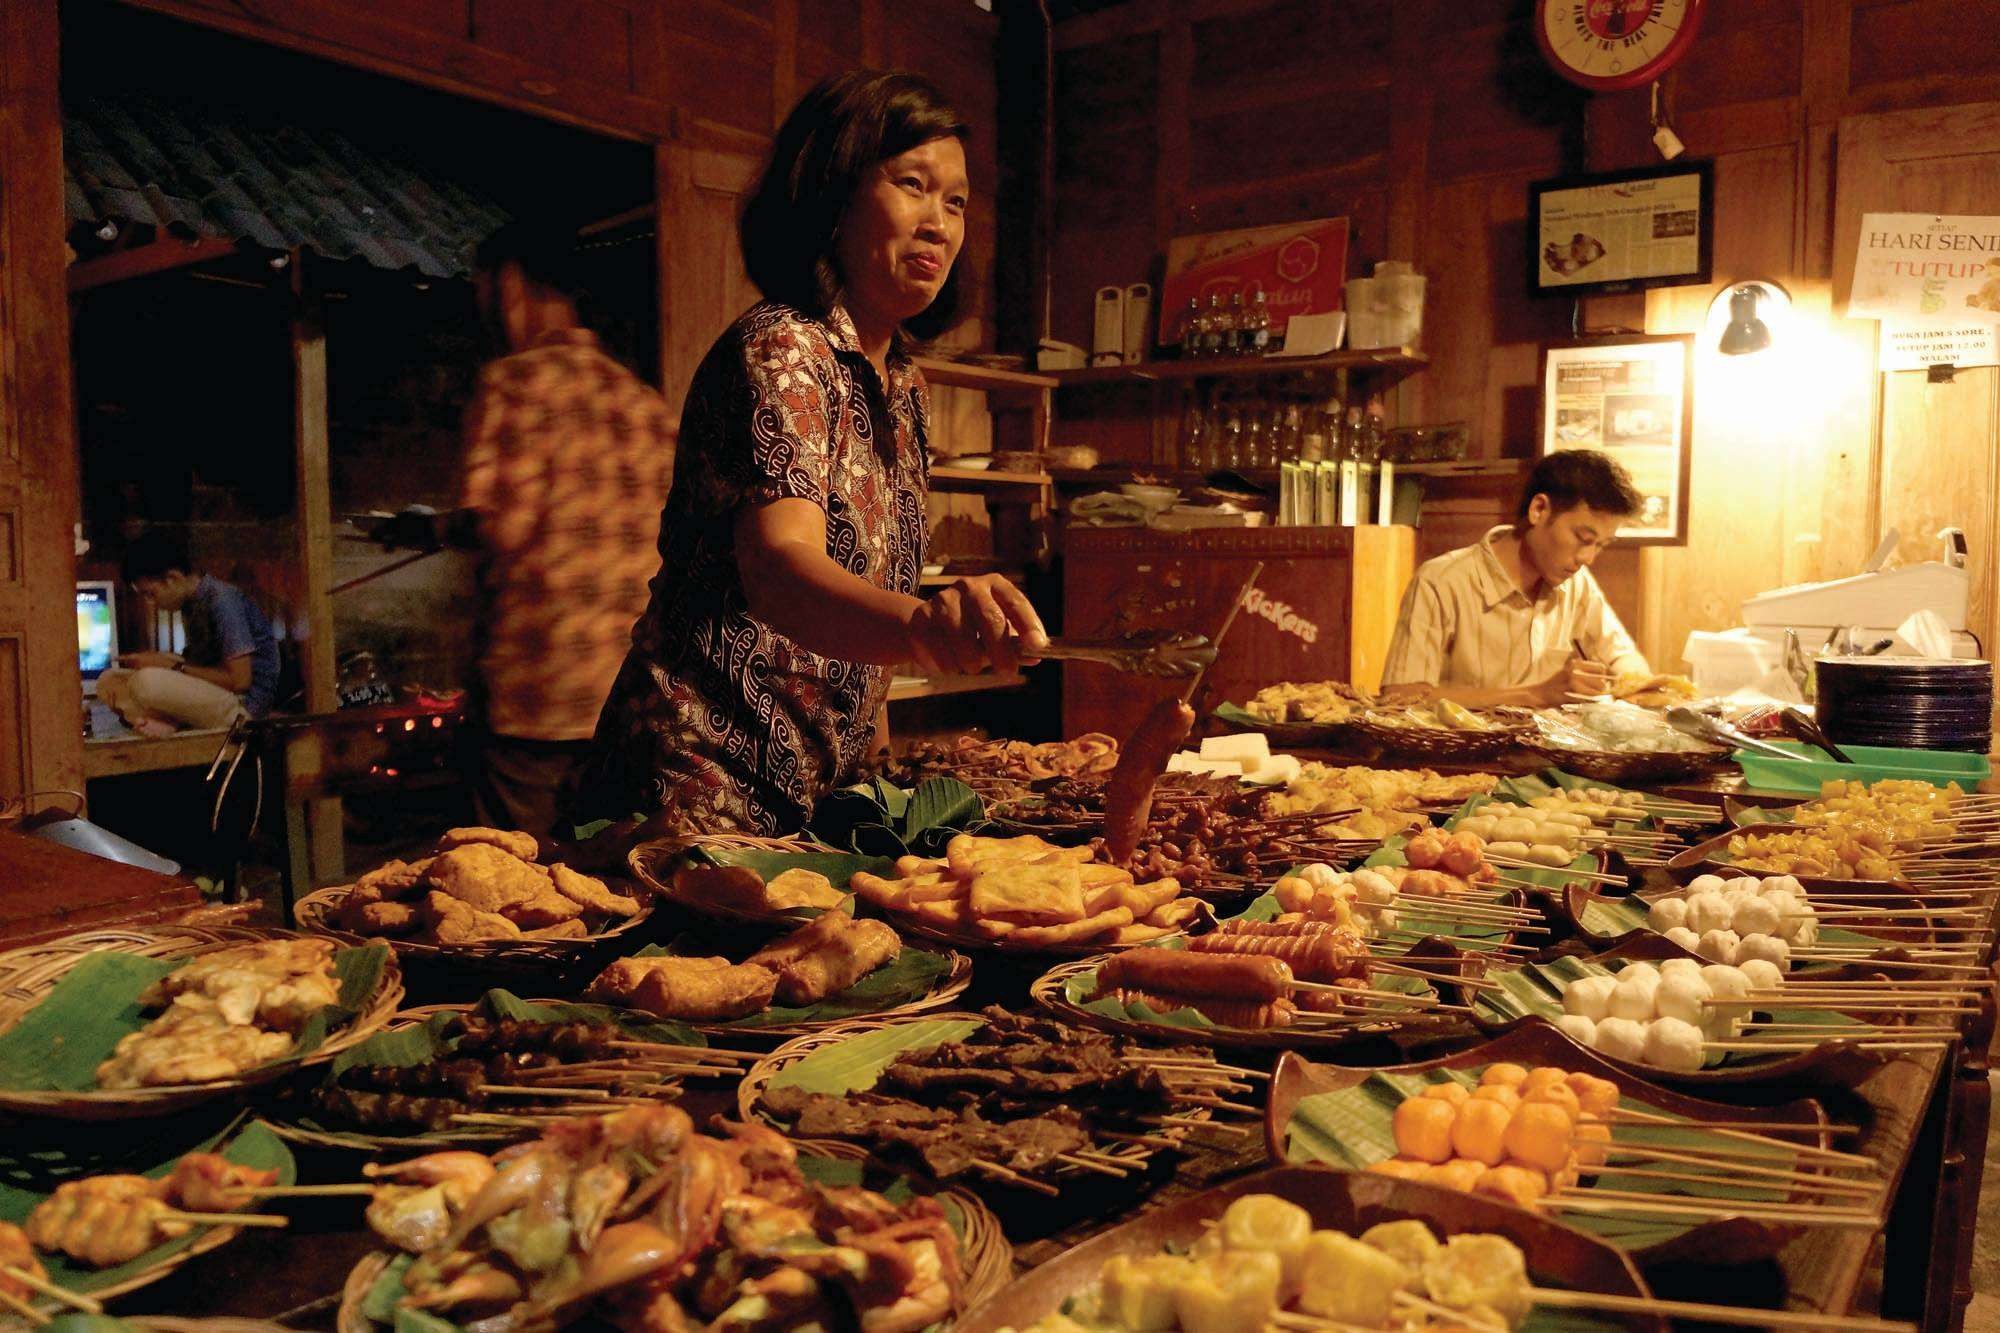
<point x="204" y="169"/>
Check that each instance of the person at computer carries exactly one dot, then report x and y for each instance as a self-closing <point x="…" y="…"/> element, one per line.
<point x="1516" y="618"/>
<point x="228" y="667"/>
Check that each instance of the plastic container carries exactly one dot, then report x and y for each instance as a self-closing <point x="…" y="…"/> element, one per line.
<point x="1872" y="763"/>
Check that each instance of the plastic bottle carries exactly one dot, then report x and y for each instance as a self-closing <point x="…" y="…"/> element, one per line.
<point x="1190" y="329"/>
<point x="1237" y="343"/>
<point x="1257" y="325"/>
<point x="1214" y="326"/>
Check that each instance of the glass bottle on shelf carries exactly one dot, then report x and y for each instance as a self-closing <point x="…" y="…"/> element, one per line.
<point x="1256" y="439"/>
<point x="1237" y="343"/>
<point x="1256" y="337"/>
<point x="1229" y="441"/>
<point x="1190" y="329"/>
<point x="1194" y="432"/>
<point x="1291" y="431"/>
<point x="1214" y="326"/>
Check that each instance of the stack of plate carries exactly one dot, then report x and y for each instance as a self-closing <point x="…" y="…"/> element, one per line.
<point x="1912" y="703"/>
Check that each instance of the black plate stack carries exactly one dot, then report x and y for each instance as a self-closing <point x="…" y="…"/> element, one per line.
<point x="1911" y="703"/>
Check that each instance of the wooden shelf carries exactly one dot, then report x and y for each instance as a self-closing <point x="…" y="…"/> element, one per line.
<point x="968" y="375"/>
<point x="984" y="479"/>
<point x="1386" y="365"/>
<point x="130" y="753"/>
<point x="938" y="686"/>
<point x="1116" y="475"/>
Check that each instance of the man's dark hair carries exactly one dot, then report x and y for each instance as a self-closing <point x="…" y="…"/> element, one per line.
<point x="1572" y="477"/>
<point x="840" y="129"/>
<point x="545" y="248"/>
<point x="155" y="554"/>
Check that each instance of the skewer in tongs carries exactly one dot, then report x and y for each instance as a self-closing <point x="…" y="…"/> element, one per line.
<point x="1167" y="654"/>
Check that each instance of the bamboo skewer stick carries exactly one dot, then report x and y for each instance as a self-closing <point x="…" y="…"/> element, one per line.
<point x="1013" y="1177"/>
<point x="1761" y="1138"/>
<point x="1731" y="1167"/>
<point x="1092" y="1164"/>
<point x="1795" y="1046"/>
<point x="1753" y="1127"/>
<point x="1592" y="876"/>
<point x="301" y="1191"/>
<point x="1828" y="1184"/>
<point x="1719" y="1314"/>
<point x="1608" y="1203"/>
<point x="76" y="1300"/>
<point x="226" y="1219"/>
<point x="23" y="1309"/>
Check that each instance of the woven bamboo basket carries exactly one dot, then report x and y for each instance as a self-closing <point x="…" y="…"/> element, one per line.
<point x="984" y="1254"/>
<point x="1440" y="745"/>
<point x="652" y="864"/>
<point x="750" y="1092"/>
<point x="28" y="975"/>
<point x="1636" y="769"/>
<point x="948" y="988"/>
<point x="317" y="912"/>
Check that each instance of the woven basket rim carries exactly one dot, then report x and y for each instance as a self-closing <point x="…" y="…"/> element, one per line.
<point x="28" y="974"/>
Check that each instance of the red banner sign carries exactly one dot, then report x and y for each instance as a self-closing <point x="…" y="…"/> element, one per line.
<point x="1300" y="266"/>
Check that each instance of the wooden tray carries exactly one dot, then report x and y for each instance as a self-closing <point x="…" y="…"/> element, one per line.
<point x="28" y="975"/>
<point x="1342" y="1200"/>
<point x="1734" y="1240"/>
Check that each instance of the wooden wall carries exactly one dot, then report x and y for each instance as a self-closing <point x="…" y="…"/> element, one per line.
<point x="1424" y="121"/>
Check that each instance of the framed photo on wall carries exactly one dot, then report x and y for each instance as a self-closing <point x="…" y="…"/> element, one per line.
<point x="1621" y="231"/>
<point x="1630" y="396"/>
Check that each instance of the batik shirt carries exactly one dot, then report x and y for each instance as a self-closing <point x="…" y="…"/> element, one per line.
<point x="716" y="718"/>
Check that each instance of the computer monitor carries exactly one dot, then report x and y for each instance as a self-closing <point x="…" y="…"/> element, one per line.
<point x="96" y="630"/>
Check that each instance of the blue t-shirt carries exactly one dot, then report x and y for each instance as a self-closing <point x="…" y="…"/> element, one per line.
<point x="221" y="623"/>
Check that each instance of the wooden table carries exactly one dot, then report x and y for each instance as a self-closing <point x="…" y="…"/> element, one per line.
<point x="47" y="890"/>
<point x="133" y="753"/>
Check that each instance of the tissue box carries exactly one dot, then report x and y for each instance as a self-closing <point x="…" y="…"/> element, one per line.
<point x="1720" y="663"/>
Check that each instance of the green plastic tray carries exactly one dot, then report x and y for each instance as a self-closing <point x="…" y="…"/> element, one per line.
<point x="1872" y="763"/>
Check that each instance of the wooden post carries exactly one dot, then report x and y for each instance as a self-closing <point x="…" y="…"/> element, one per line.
<point x="313" y="515"/>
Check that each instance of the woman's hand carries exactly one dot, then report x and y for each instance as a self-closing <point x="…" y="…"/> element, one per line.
<point x="980" y="620"/>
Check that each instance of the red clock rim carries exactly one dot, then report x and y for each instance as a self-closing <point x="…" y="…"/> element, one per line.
<point x="1646" y="73"/>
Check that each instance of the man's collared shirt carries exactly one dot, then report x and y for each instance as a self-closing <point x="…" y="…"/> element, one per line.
<point x="1466" y="622"/>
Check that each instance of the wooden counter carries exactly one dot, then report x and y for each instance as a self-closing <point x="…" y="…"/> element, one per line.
<point x="47" y="890"/>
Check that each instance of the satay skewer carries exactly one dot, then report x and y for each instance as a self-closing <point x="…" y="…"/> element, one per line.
<point x="76" y="1300"/>
<point x="23" y="1309"/>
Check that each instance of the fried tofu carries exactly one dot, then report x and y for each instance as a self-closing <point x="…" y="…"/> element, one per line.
<point x="486" y="878"/>
<point x="522" y="846"/>
<point x="1047" y="892"/>
<point x="590" y="893"/>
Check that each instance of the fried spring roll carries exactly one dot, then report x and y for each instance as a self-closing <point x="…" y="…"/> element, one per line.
<point x="848" y="957"/>
<point x="814" y="935"/>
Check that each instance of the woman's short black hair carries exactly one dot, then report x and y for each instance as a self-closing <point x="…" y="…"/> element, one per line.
<point x="1572" y="477"/>
<point x="545" y="247"/>
<point x="840" y="129"/>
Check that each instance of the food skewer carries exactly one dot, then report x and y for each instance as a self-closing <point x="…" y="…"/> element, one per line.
<point x="76" y="1300"/>
<point x="23" y="1309"/>
<point x="1717" y="1314"/>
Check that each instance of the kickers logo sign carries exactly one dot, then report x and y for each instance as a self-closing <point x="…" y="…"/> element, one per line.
<point x="1280" y="614"/>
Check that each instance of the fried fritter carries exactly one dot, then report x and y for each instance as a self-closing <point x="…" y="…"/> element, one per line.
<point x="486" y="877"/>
<point x="394" y="879"/>
<point x="512" y="841"/>
<point x="382" y="918"/>
<point x="455" y="921"/>
<point x="573" y="929"/>
<point x="591" y="893"/>
<point x="545" y="908"/>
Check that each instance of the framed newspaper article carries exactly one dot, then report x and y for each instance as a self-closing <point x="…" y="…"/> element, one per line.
<point x="1630" y="396"/>
<point x="1622" y="231"/>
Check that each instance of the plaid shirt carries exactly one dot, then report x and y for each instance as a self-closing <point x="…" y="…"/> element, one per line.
<point x="567" y="461"/>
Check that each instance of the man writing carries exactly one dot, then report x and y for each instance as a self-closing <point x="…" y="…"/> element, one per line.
<point x="1516" y="618"/>
<point x="567" y="461"/>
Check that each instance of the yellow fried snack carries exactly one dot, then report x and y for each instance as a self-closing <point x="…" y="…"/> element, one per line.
<point x="722" y="886"/>
<point x="485" y="877"/>
<point x="968" y="854"/>
<point x="515" y="843"/>
<point x="545" y="908"/>
<point x="1029" y="893"/>
<point x="382" y="918"/>
<point x="1071" y="932"/>
<point x="801" y="888"/>
<point x="394" y="879"/>
<point x="591" y="894"/>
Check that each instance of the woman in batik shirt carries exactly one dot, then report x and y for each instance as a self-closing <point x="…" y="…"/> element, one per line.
<point x="793" y="539"/>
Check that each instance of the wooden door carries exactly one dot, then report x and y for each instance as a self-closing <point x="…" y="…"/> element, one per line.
<point x="1940" y="443"/>
<point x="703" y="286"/>
<point x="41" y="745"/>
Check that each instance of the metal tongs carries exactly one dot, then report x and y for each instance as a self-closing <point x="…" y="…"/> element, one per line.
<point x="1167" y="654"/>
<point x="1705" y="728"/>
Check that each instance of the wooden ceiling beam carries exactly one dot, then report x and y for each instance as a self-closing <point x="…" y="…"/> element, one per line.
<point x="156" y="256"/>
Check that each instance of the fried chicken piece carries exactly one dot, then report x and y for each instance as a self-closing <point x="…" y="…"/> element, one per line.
<point x="102" y="1220"/>
<point x="191" y="1043"/>
<point x="591" y="894"/>
<point x="206" y="1182"/>
<point x="453" y="921"/>
<point x="381" y="918"/>
<point x="225" y="969"/>
<point x="394" y="879"/>
<point x="486" y="877"/>
<point x="18" y="1253"/>
<point x="512" y="841"/>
